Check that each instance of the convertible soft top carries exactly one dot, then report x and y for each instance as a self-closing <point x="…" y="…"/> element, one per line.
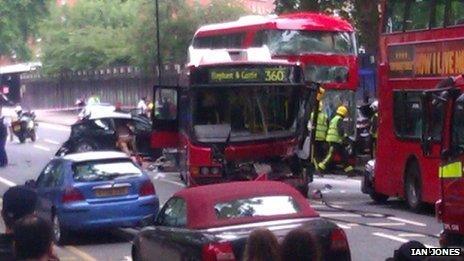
<point x="201" y="200"/>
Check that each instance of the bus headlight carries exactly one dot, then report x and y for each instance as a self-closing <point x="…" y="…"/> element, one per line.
<point x="204" y="171"/>
<point x="215" y="170"/>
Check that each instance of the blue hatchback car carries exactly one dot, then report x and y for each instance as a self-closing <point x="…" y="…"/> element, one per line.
<point x="95" y="190"/>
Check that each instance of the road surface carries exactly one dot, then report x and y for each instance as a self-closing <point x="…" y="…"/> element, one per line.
<point x="374" y="231"/>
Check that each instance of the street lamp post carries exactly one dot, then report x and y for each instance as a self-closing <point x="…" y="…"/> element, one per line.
<point x="158" y="42"/>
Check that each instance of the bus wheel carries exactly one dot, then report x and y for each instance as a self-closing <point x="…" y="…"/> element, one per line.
<point x="413" y="188"/>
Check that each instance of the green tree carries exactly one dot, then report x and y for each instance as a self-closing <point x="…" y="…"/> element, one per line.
<point x="100" y="33"/>
<point x="89" y="35"/>
<point x="18" y="22"/>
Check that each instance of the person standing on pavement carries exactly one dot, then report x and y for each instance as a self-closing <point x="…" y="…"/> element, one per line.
<point x="142" y="107"/>
<point x="335" y="139"/>
<point x="18" y="202"/>
<point x="3" y="137"/>
<point x="320" y="144"/>
<point x="374" y="125"/>
<point x="33" y="239"/>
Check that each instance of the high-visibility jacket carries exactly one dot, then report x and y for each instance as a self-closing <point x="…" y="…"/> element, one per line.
<point x="333" y="135"/>
<point x="321" y="126"/>
<point x="93" y="100"/>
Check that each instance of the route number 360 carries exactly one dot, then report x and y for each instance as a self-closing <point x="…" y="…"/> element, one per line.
<point x="275" y="75"/>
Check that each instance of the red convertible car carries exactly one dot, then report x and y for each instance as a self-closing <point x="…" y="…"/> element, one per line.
<point x="213" y="222"/>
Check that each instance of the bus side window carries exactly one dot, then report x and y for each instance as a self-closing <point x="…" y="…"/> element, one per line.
<point x="259" y="39"/>
<point x="394" y="16"/>
<point x="407" y="114"/>
<point x="419" y="15"/>
<point x="202" y="42"/>
<point x="236" y="40"/>
<point x="456" y="14"/>
<point x="438" y="16"/>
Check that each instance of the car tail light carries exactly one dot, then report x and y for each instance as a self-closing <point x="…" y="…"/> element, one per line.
<point x="72" y="195"/>
<point x="147" y="189"/>
<point x="439" y="210"/>
<point x="218" y="252"/>
<point x="338" y="240"/>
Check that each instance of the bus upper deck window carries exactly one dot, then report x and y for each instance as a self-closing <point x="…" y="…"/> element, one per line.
<point x="419" y="15"/>
<point x="395" y="16"/>
<point x="439" y="15"/>
<point x="456" y="14"/>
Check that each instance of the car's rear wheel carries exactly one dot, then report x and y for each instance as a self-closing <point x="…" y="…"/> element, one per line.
<point x="60" y="235"/>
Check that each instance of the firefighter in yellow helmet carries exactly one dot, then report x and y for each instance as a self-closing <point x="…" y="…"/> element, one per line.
<point x="320" y="128"/>
<point x="335" y="137"/>
<point x="320" y="144"/>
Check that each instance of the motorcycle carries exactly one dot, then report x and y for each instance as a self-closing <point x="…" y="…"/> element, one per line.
<point x="25" y="127"/>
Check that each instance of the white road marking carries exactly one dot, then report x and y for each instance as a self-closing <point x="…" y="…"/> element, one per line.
<point x="395" y="238"/>
<point x="339" y="215"/>
<point x="54" y="126"/>
<point x="7" y="182"/>
<point x="52" y="141"/>
<point x="408" y="221"/>
<point x="380" y="224"/>
<point x="41" y="147"/>
<point x="159" y="176"/>
<point x="343" y="226"/>
<point x="127" y="258"/>
<point x="173" y="182"/>
<point x="343" y="191"/>
<point x="410" y="235"/>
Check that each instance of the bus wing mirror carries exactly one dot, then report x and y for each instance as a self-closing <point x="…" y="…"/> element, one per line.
<point x="426" y="145"/>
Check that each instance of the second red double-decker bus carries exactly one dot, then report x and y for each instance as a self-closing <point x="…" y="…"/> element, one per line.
<point x="324" y="45"/>
<point x="421" y="42"/>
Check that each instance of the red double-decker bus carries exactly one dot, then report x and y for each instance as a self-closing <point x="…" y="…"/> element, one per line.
<point x="421" y="43"/>
<point x="235" y="119"/>
<point x="324" y="45"/>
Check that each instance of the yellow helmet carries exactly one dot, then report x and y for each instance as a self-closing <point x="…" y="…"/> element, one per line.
<point x="342" y="111"/>
<point x="320" y="93"/>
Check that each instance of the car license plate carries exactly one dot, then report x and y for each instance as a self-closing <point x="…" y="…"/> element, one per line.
<point x="111" y="192"/>
<point x="17" y="128"/>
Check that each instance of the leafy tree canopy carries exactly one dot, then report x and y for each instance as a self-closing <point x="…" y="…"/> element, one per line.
<point x="100" y="33"/>
<point x="18" y="22"/>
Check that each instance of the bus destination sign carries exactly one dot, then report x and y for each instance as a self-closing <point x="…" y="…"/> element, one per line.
<point x="249" y="75"/>
<point x="426" y="59"/>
